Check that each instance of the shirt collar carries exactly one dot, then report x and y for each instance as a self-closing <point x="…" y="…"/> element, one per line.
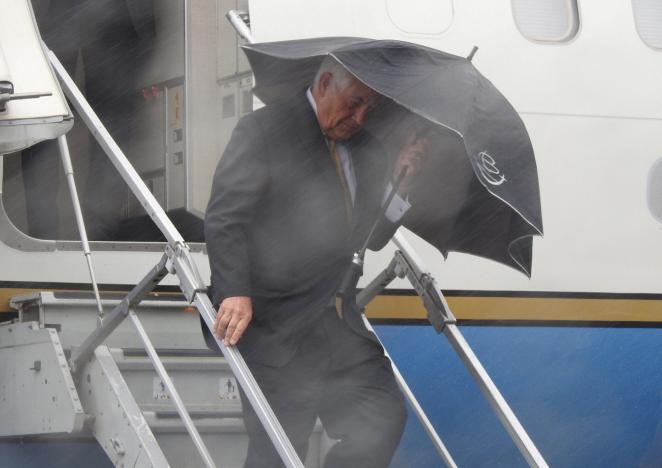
<point x="311" y="100"/>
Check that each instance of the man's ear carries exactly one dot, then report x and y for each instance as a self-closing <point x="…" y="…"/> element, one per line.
<point x="324" y="83"/>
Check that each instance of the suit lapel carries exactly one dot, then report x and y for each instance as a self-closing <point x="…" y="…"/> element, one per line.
<point x="361" y="163"/>
<point x="309" y="136"/>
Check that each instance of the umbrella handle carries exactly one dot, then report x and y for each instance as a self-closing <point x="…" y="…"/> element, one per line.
<point x="348" y="284"/>
<point x="347" y="289"/>
<point x="389" y="199"/>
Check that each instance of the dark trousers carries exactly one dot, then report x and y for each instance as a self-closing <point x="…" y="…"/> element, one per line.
<point x="345" y="380"/>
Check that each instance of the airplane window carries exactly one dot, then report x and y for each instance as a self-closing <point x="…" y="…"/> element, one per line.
<point x="654" y="190"/>
<point x="648" y="19"/>
<point x="546" y="20"/>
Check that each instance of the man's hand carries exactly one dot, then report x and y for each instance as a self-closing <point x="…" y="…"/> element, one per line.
<point x="234" y="315"/>
<point x="412" y="156"/>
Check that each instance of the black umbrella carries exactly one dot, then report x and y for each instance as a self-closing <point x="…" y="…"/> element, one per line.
<point x="479" y="191"/>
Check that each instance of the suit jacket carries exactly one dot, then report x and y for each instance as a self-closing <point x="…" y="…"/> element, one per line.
<point x="276" y="227"/>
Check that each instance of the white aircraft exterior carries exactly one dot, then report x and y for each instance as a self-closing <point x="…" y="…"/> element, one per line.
<point x="584" y="77"/>
<point x="592" y="103"/>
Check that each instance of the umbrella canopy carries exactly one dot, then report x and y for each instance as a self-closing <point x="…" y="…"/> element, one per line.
<point x="478" y="192"/>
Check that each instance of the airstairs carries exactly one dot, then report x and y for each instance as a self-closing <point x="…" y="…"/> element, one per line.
<point x="117" y="397"/>
<point x="133" y="370"/>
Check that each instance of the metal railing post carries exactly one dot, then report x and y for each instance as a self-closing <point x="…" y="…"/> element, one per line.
<point x="416" y="407"/>
<point x="441" y="316"/>
<point x="117" y="315"/>
<point x="251" y="388"/>
<point x="172" y="391"/>
<point x="73" y="193"/>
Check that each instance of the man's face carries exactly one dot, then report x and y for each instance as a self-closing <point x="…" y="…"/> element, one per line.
<point x="342" y="113"/>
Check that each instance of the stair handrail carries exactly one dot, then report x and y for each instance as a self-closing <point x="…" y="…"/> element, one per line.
<point x="178" y="261"/>
<point x="407" y="263"/>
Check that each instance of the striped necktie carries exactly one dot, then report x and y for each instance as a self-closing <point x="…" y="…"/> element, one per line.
<point x="335" y="157"/>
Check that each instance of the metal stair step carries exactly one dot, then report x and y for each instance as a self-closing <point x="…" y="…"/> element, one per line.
<point x="205" y="383"/>
<point x="202" y="382"/>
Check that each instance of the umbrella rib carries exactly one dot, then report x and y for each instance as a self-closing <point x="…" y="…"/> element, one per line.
<point x="511" y="243"/>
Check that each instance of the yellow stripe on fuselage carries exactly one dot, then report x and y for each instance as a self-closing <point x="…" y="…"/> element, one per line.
<point x="523" y="308"/>
<point x="499" y="308"/>
<point x="6" y="294"/>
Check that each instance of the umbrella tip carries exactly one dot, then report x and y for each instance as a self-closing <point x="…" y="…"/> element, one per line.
<point x="472" y="53"/>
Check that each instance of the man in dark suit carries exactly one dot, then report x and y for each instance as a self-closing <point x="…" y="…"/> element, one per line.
<point x="293" y="197"/>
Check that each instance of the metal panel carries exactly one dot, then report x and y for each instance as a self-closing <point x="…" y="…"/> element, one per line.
<point x="34" y="374"/>
<point x="231" y="60"/>
<point x="119" y="426"/>
<point x="204" y="144"/>
<point x="175" y="164"/>
<point x="166" y="62"/>
<point x="148" y="148"/>
<point x="173" y="324"/>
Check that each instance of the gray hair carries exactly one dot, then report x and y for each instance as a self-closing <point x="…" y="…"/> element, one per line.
<point x="341" y="77"/>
